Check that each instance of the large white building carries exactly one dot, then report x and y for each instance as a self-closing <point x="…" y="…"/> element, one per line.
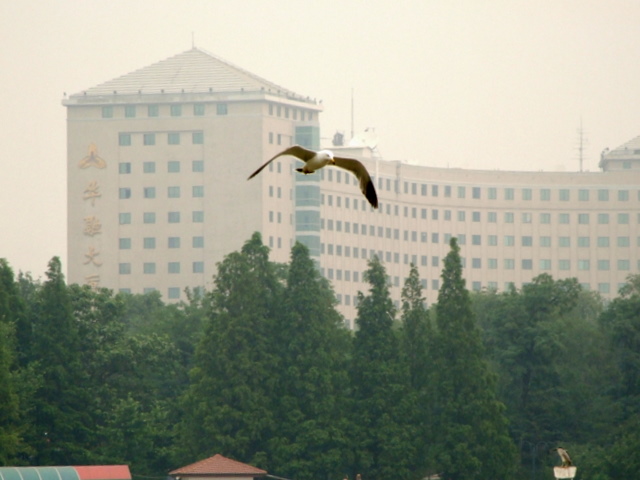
<point x="157" y="195"/>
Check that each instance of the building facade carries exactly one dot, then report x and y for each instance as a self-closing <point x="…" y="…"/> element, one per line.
<point x="157" y="195"/>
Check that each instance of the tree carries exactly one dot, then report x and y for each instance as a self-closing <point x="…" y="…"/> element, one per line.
<point x="472" y="440"/>
<point x="229" y="403"/>
<point x="312" y="346"/>
<point x="382" y="444"/>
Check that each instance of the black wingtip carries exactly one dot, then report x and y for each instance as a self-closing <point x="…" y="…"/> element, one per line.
<point x="371" y="195"/>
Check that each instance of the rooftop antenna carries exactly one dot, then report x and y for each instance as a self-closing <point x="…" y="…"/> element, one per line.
<point x="582" y="141"/>
<point x="351" y="112"/>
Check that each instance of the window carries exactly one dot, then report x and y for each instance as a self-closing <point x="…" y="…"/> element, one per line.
<point x="508" y="194"/>
<point x="447" y="191"/>
<point x="563" y="218"/>
<point x="173" y="138"/>
<point x="492" y="193"/>
<point x="603" y="195"/>
<point x="198" y="191"/>
<point x="149" y="217"/>
<point x="198" y="267"/>
<point x="508" y="217"/>
<point x="509" y="240"/>
<point x="197" y="138"/>
<point x="527" y="241"/>
<point x="197" y="216"/>
<point x="603" y="241"/>
<point x="107" y="111"/>
<point x="476" y="239"/>
<point x="173" y="166"/>
<point x="583" y="195"/>
<point x="173" y="192"/>
<point x="197" y="242"/>
<point x="149" y="192"/>
<point x="493" y="263"/>
<point x="173" y="293"/>
<point x="152" y="110"/>
<point x="124" y="167"/>
<point x="462" y="191"/>
<point x="173" y="242"/>
<point x="564" y="264"/>
<point x="198" y="109"/>
<point x="526" y="217"/>
<point x="493" y="240"/>
<point x="526" y="194"/>
<point x="124" y="268"/>
<point x="603" y="218"/>
<point x="509" y="264"/>
<point x="545" y="218"/>
<point x="124" y="139"/>
<point x="149" y="268"/>
<point x="545" y="264"/>
<point x="149" y="243"/>
<point x="475" y="216"/>
<point x="149" y="139"/>
<point x="129" y="111"/>
<point x="624" y="265"/>
<point x="623" y="218"/>
<point x="584" y="242"/>
<point x="461" y="215"/>
<point x="545" y="241"/>
<point x="197" y="166"/>
<point x="173" y="267"/>
<point x="564" y="241"/>
<point x="564" y="195"/>
<point x="584" y="264"/>
<point x="475" y="193"/>
<point x="173" y="217"/>
<point x="124" y="243"/>
<point x="476" y="263"/>
<point x="603" y="264"/>
<point x="149" y="167"/>
<point x="124" y="193"/>
<point x="623" y="195"/>
<point x="221" y="109"/>
<point x="623" y="241"/>
<point x="492" y="217"/>
<point x="176" y="110"/>
<point x="527" y="264"/>
<point x="583" y="218"/>
<point x="545" y="194"/>
<point x="603" y="288"/>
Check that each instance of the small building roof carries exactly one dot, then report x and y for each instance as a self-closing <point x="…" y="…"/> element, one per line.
<point x="193" y="71"/>
<point x="219" y="466"/>
<point x="89" y="472"/>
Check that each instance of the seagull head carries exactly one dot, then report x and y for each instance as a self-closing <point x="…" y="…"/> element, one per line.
<point x="326" y="156"/>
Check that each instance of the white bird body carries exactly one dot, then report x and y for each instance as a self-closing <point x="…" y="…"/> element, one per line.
<point x="314" y="161"/>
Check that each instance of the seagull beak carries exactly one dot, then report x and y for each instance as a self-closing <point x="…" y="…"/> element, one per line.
<point x="333" y="161"/>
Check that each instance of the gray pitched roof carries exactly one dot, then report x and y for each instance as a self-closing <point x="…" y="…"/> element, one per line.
<point x="193" y="71"/>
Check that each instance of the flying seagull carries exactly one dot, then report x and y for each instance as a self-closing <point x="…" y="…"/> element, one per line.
<point x="564" y="456"/>
<point x="316" y="160"/>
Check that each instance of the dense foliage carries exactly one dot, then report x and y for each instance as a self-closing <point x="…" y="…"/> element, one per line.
<point x="262" y="369"/>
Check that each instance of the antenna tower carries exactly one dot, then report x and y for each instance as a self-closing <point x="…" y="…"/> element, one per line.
<point x="582" y="141"/>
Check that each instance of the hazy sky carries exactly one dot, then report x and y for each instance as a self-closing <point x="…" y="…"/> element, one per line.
<point x="491" y="84"/>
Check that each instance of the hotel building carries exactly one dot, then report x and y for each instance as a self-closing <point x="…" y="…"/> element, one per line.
<point x="157" y="195"/>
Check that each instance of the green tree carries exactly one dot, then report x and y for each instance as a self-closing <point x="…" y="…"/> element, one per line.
<point x="382" y="443"/>
<point x="312" y="346"/>
<point x="229" y="404"/>
<point x="472" y="440"/>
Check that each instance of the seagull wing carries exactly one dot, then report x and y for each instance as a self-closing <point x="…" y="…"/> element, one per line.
<point x="359" y="170"/>
<point x="296" y="151"/>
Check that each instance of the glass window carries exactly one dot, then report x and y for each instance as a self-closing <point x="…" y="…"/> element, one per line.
<point x="176" y="110"/>
<point x="149" y="192"/>
<point x="197" y="216"/>
<point x="149" y="167"/>
<point x="173" y="138"/>
<point x="124" y="139"/>
<point x="508" y="217"/>
<point x="149" y="268"/>
<point x="124" y="243"/>
<point x="603" y="195"/>
<point x="564" y="241"/>
<point x="149" y="243"/>
<point x="527" y="241"/>
<point x="583" y="195"/>
<point x="545" y="218"/>
<point x="198" y="109"/>
<point x="509" y="240"/>
<point x="197" y="138"/>
<point x="492" y="193"/>
<point x="509" y="264"/>
<point x="563" y="218"/>
<point x="527" y="264"/>
<point x="173" y="242"/>
<point x="107" y="111"/>
<point x="198" y="191"/>
<point x="603" y="241"/>
<point x="124" y="268"/>
<point x="545" y="194"/>
<point x="564" y="264"/>
<point x="584" y="264"/>
<point x="173" y="217"/>
<point x="492" y="217"/>
<point x="623" y="218"/>
<point x="623" y="241"/>
<point x="475" y="216"/>
<point x="545" y="264"/>
<point x="603" y="218"/>
<point x="493" y="263"/>
<point x="493" y="240"/>
<point x="197" y="166"/>
<point x="124" y="193"/>
<point x="149" y="139"/>
<point x="623" y="195"/>
<point x="173" y="293"/>
<point x="475" y="193"/>
<point x="221" y="109"/>
<point x="526" y="194"/>
<point x="124" y="167"/>
<point x="584" y="242"/>
<point x="173" y="192"/>
<point x="583" y="218"/>
<point x="508" y="194"/>
<point x="545" y="241"/>
<point x="129" y="111"/>
<point x="173" y="166"/>
<point x="197" y="242"/>
<point x="198" y="267"/>
<point x="526" y="217"/>
<point x="173" y="267"/>
<point x="624" y="265"/>
<point x="603" y="264"/>
<point x="564" y="195"/>
<point x="462" y="192"/>
<point x="149" y="217"/>
<point x="153" y="110"/>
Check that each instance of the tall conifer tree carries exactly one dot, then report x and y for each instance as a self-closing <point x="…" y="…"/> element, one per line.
<point x="472" y="441"/>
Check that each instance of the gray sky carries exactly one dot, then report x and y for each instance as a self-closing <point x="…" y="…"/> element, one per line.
<point x="493" y="84"/>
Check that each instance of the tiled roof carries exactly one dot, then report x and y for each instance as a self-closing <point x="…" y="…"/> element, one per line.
<point x="193" y="71"/>
<point x="633" y="144"/>
<point x="219" y="465"/>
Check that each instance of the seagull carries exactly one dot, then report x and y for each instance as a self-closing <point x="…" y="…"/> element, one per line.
<point x="564" y="456"/>
<point x="316" y="160"/>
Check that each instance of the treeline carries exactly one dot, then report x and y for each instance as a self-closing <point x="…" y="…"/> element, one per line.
<point x="262" y="369"/>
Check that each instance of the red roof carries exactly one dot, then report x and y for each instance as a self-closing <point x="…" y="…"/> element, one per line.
<point x="219" y="465"/>
<point x="102" y="472"/>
